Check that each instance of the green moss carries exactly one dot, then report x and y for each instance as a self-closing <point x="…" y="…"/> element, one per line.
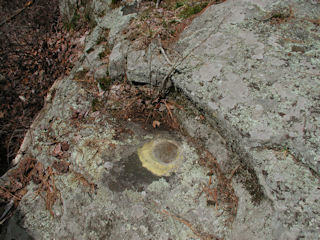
<point x="178" y="5"/>
<point x="281" y="13"/>
<point x="191" y="10"/>
<point x="278" y="15"/>
<point x="165" y="24"/>
<point x="173" y="4"/>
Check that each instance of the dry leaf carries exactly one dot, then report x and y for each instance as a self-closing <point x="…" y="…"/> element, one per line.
<point x="162" y="107"/>
<point x="170" y="106"/>
<point x="112" y="145"/>
<point x="57" y="150"/>
<point x="65" y="146"/>
<point x="155" y="124"/>
<point x="61" y="166"/>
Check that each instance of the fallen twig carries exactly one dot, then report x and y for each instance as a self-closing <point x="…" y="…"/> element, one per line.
<point x="84" y="181"/>
<point x="202" y="236"/>
<point x="163" y="52"/>
<point x="234" y="171"/>
<point x="8" y="192"/>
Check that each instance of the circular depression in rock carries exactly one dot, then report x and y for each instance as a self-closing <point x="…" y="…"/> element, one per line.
<point x="165" y="151"/>
<point x="160" y="156"/>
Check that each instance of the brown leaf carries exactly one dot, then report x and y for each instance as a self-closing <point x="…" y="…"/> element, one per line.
<point x="65" y="146"/>
<point x="57" y="150"/>
<point x="170" y="106"/>
<point x="61" y="166"/>
<point x="112" y="145"/>
<point x="155" y="124"/>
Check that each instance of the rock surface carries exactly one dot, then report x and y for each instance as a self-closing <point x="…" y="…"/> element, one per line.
<point x="256" y="77"/>
<point x="256" y="80"/>
<point x="262" y="92"/>
<point x="252" y="78"/>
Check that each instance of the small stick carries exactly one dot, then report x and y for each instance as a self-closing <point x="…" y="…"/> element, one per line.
<point x="189" y="225"/>
<point x="234" y="171"/>
<point x="150" y="63"/>
<point x="163" y="52"/>
<point x="165" y="55"/>
<point x="170" y="113"/>
<point x="12" y="195"/>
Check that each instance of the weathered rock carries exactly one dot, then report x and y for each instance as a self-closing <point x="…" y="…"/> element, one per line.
<point x="115" y="21"/>
<point x="125" y="202"/>
<point x="255" y="78"/>
<point x="262" y="93"/>
<point x="92" y="10"/>
<point x="141" y="66"/>
<point x="251" y="81"/>
<point x="118" y="60"/>
<point x="106" y="30"/>
<point x="294" y="192"/>
<point x="67" y="9"/>
<point x="146" y="66"/>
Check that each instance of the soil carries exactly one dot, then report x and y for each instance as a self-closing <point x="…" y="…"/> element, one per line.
<point x="34" y="52"/>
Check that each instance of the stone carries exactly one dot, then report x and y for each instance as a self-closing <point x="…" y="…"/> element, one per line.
<point x="117" y="60"/>
<point x="146" y="66"/>
<point x="258" y="95"/>
<point x="260" y="115"/>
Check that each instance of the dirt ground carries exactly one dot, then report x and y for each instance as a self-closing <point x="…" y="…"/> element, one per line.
<point x="34" y="52"/>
